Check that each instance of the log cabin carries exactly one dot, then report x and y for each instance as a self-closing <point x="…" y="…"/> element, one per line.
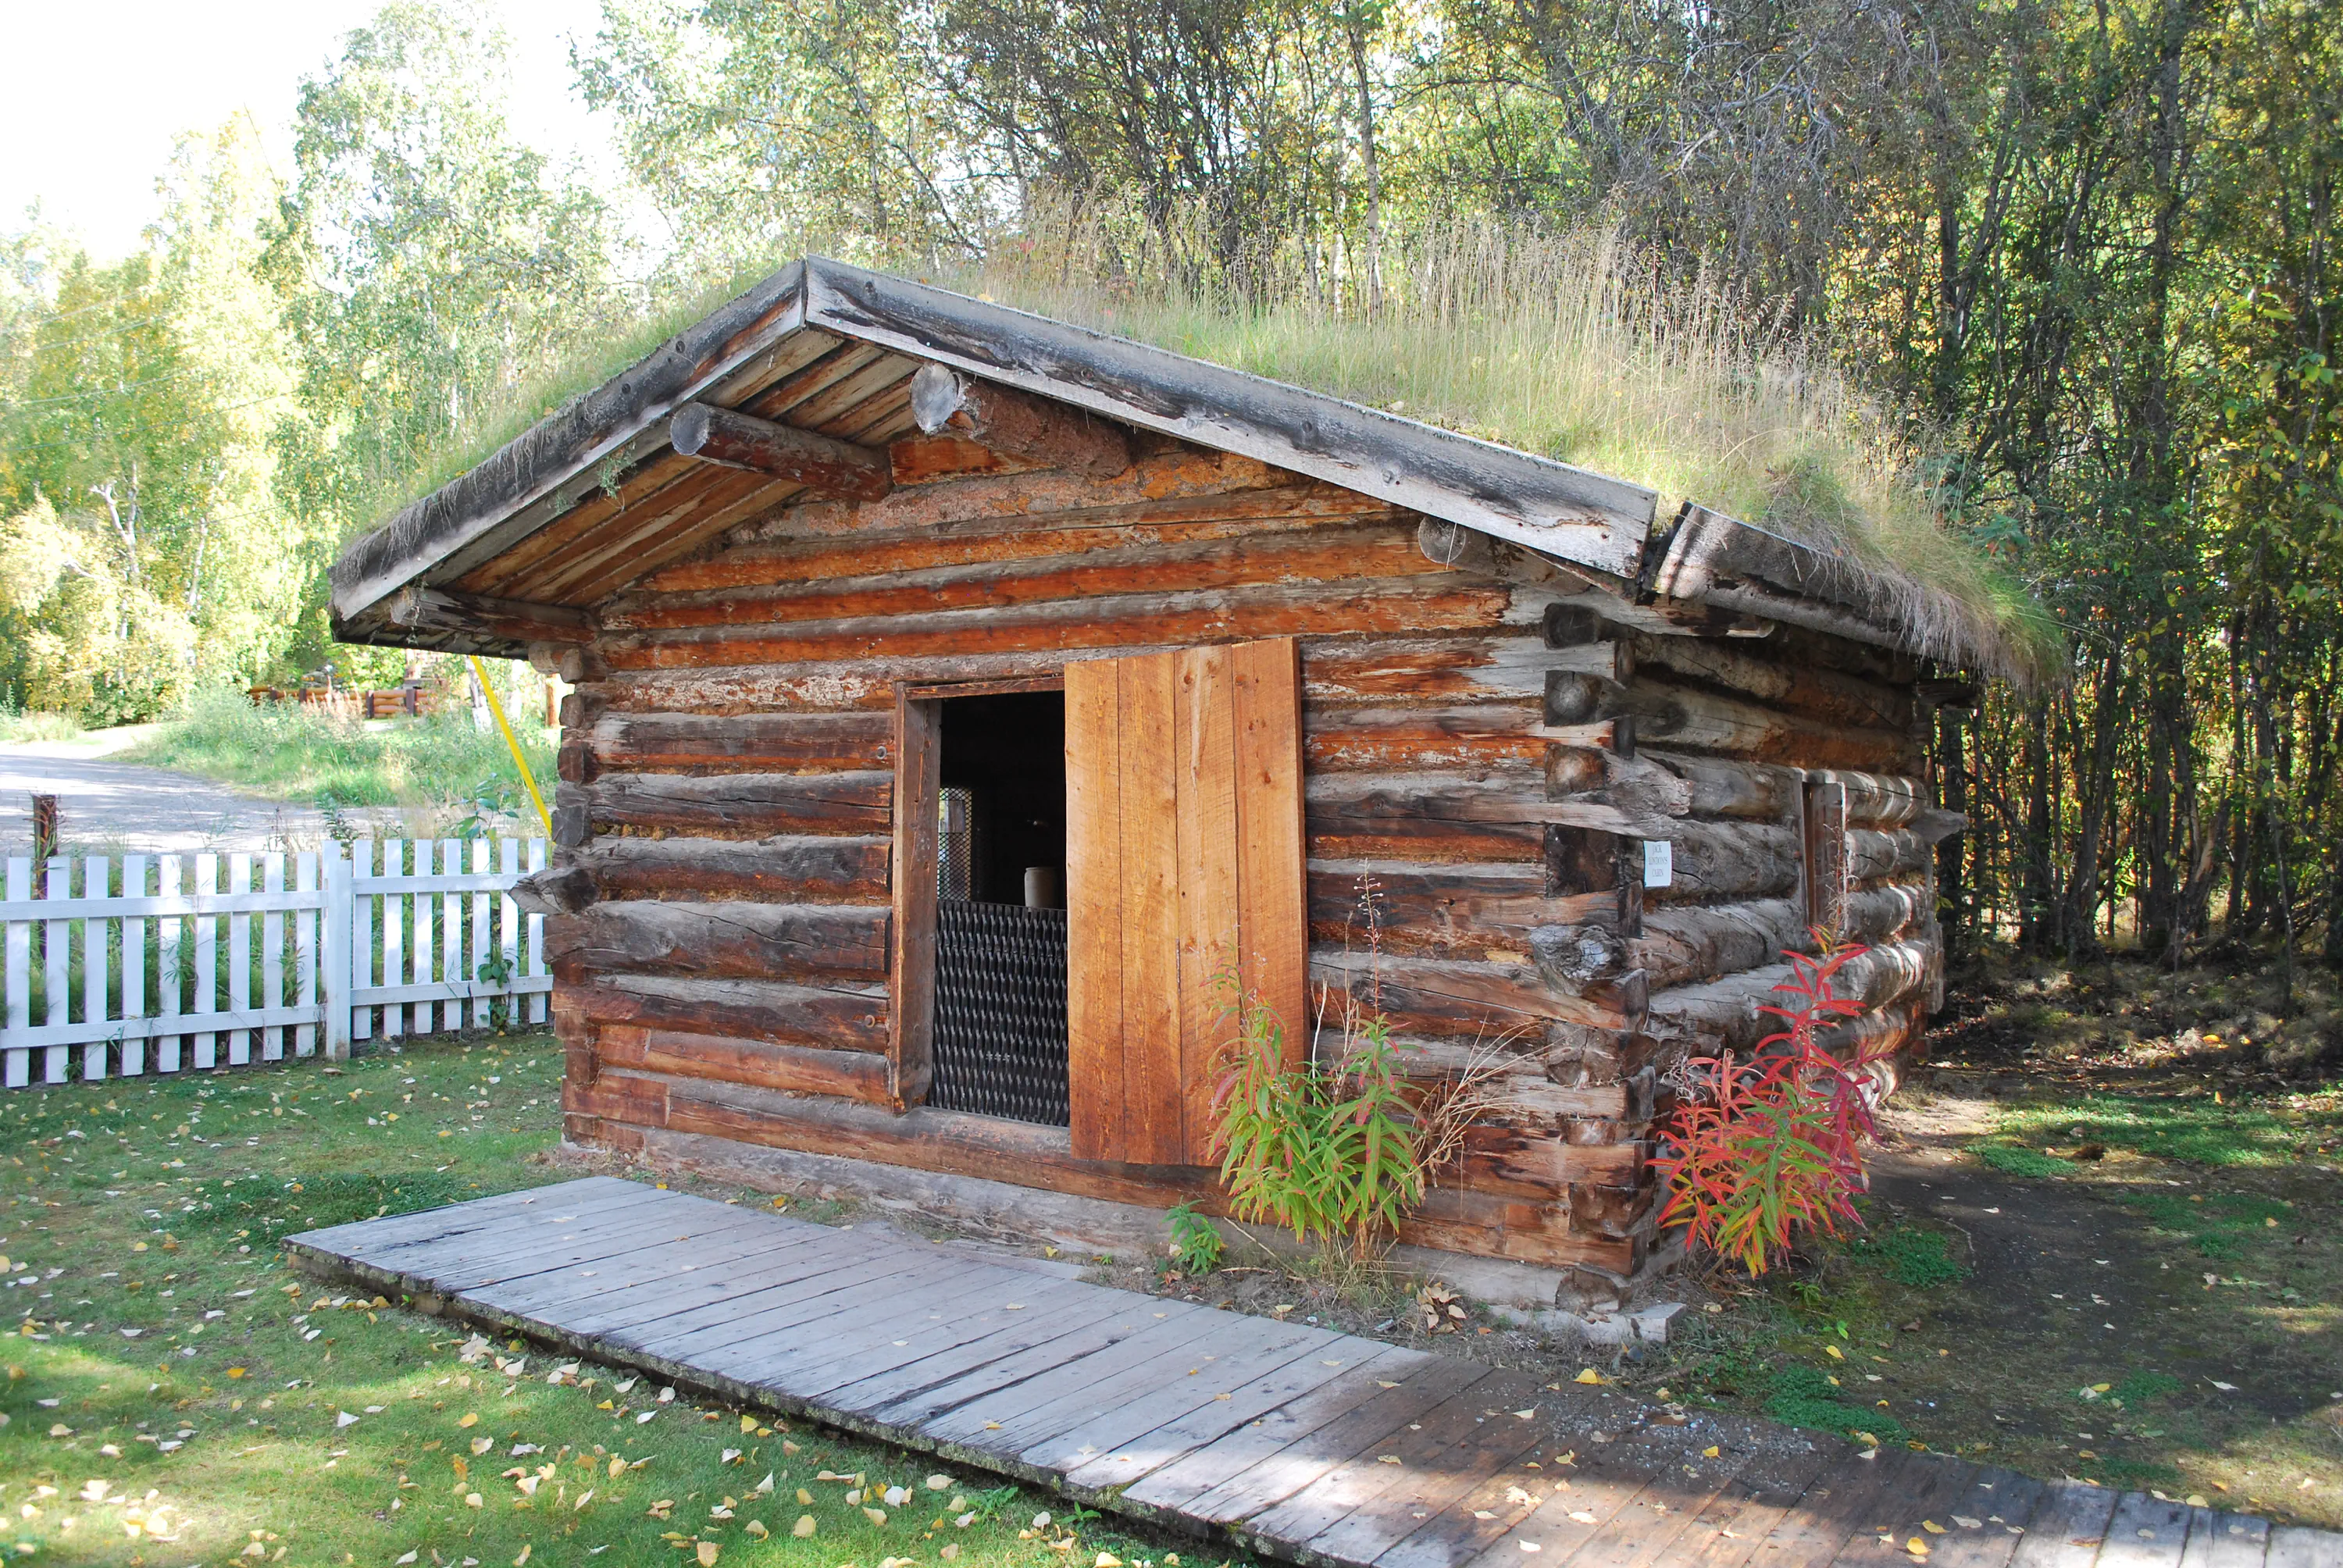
<point x="964" y="701"/>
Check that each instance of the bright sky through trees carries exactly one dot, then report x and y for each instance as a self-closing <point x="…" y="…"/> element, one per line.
<point x="87" y="132"/>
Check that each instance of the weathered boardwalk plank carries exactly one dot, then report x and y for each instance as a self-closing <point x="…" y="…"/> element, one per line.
<point x="1306" y="1444"/>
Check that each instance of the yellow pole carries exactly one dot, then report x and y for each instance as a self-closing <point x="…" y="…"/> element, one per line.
<point x="519" y="761"/>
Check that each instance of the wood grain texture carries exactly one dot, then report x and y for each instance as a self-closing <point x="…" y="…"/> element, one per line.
<point x="911" y="1039"/>
<point x="1094" y="908"/>
<point x="1150" y="1056"/>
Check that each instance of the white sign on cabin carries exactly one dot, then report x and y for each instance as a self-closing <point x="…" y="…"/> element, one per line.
<point x="1659" y="862"/>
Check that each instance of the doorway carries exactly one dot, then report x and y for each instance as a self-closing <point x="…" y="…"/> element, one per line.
<point x="997" y="1030"/>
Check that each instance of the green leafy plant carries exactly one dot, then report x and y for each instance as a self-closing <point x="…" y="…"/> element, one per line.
<point x="1330" y="1154"/>
<point x="1196" y="1244"/>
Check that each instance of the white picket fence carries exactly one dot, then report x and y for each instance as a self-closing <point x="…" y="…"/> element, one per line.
<point x="179" y="970"/>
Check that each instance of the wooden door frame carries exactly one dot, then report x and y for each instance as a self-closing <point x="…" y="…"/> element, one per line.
<point x="911" y="933"/>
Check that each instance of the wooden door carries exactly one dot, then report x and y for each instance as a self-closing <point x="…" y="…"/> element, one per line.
<point x="1183" y="855"/>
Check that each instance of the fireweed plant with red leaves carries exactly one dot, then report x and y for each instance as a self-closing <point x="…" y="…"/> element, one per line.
<point x="1759" y="1150"/>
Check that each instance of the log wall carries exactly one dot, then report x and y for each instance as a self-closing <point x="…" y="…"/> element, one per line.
<point x="1485" y="756"/>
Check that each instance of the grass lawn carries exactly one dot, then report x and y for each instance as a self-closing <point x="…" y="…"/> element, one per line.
<point x="176" y="1395"/>
<point x="439" y="767"/>
<point x="2106" y="1242"/>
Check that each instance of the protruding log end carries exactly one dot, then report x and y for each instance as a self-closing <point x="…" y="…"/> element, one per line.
<point x="739" y="440"/>
<point x="1033" y="430"/>
<point x="564" y="891"/>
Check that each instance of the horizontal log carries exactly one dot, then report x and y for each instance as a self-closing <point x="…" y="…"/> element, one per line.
<point x="1684" y="718"/>
<point x="1365" y="549"/>
<point x="743" y="803"/>
<point x="1724" y="1012"/>
<point x="741" y="742"/>
<point x="1446" y="998"/>
<point x="1479" y="912"/>
<point x="557" y="890"/>
<point x="1722" y="861"/>
<point x="1729" y="787"/>
<point x="819" y="462"/>
<point x="795" y="1069"/>
<point x="742" y="574"/>
<point x="924" y="459"/>
<point x="1685" y="944"/>
<point x="792" y="870"/>
<point x="1037" y="430"/>
<point x="1411" y="739"/>
<point x="1443" y="796"/>
<point x="1871" y="855"/>
<point x="1173" y="475"/>
<point x="1454" y="1216"/>
<point x="1117" y="622"/>
<point x="728" y="941"/>
<point x="1759" y="673"/>
<point x="835" y="1018"/>
<point x="482" y="617"/>
<point x="1880" y="799"/>
<point x="1380" y="671"/>
<point x="1425" y="838"/>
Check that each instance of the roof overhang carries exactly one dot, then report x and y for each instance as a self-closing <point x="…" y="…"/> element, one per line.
<point x="393" y="579"/>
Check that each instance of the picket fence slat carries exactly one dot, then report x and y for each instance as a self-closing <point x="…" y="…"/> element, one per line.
<point x="160" y="963"/>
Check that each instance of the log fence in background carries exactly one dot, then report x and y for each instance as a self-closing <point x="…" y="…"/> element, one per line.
<point x="166" y="963"/>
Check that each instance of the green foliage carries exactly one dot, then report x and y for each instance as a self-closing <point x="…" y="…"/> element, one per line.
<point x="274" y="1206"/>
<point x="1328" y="1152"/>
<point x="2140" y="1387"/>
<point x="2016" y="1160"/>
<point x="1803" y="1396"/>
<point x="2265" y="1133"/>
<point x="428" y="262"/>
<point x="1912" y="1256"/>
<point x="440" y="766"/>
<point x="1196" y="1244"/>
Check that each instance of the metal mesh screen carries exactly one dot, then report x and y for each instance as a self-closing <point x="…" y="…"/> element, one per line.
<point x="1000" y="1011"/>
<point x="955" y="843"/>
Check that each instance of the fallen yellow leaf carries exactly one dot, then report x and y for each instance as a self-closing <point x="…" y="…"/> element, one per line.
<point x="1709" y="1452"/>
<point x="470" y="1419"/>
<point x="705" y="1552"/>
<point x="1932" y="1527"/>
<point x="1589" y="1376"/>
<point x="1834" y="1352"/>
<point x="804" y="1528"/>
<point x="1917" y="1547"/>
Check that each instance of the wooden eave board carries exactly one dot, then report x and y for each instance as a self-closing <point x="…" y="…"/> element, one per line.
<point x="1326" y="1450"/>
<point x="759" y="351"/>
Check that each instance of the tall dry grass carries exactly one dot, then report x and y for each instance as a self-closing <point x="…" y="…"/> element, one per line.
<point x="1577" y="347"/>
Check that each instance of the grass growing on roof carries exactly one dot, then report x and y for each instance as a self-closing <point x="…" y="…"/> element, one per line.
<point x="1574" y="346"/>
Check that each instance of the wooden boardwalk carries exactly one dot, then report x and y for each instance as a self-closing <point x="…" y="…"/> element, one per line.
<point x="1298" y="1442"/>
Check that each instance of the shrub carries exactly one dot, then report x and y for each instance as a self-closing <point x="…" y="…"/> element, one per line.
<point x="1326" y="1153"/>
<point x="1759" y="1151"/>
<point x="1196" y="1244"/>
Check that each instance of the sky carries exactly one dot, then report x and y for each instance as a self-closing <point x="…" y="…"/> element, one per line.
<point x="87" y="132"/>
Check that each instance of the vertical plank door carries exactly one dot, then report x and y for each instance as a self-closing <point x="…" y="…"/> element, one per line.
<point x="1185" y="866"/>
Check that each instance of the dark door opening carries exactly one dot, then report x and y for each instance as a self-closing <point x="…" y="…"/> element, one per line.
<point x="999" y="1028"/>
